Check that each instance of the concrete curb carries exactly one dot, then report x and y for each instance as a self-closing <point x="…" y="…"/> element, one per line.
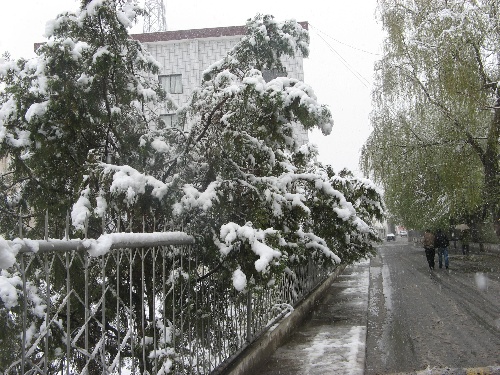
<point x="259" y="351"/>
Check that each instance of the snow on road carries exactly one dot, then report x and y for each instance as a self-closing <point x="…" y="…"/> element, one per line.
<point x="332" y="341"/>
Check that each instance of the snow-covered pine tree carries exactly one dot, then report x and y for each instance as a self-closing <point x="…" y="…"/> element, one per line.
<point x="238" y="180"/>
<point x="83" y="98"/>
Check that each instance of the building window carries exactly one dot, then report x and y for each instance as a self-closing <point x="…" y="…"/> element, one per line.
<point x="171" y="83"/>
<point x="170" y="120"/>
<point x="270" y="74"/>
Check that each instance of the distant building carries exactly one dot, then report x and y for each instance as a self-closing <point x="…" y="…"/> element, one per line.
<point x="381" y="229"/>
<point x="185" y="54"/>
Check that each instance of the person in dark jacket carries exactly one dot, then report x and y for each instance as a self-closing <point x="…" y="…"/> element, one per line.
<point x="441" y="243"/>
<point x="430" y="252"/>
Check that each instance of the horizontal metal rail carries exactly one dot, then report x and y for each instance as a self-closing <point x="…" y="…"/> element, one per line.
<point x="115" y="241"/>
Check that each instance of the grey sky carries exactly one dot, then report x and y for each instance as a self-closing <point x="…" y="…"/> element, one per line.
<point x="339" y="69"/>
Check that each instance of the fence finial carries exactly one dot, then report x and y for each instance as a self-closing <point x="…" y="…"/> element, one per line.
<point x="66" y="231"/>
<point x="86" y="226"/>
<point x="46" y="225"/>
<point x="20" y="223"/>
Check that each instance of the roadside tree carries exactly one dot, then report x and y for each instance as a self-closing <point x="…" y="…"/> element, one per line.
<point x="436" y="118"/>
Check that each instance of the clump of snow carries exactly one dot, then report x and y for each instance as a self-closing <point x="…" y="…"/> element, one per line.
<point x="7" y="109"/>
<point x="132" y="182"/>
<point x="31" y="333"/>
<point x="39" y="305"/>
<point x="101" y="206"/>
<point x="160" y="145"/>
<point x="193" y="198"/>
<point x="93" y="7"/>
<point x="127" y="14"/>
<point x="33" y="246"/>
<point x="232" y="232"/>
<point x="101" y="51"/>
<point x="317" y="243"/>
<point x="7" y="254"/>
<point x="20" y="139"/>
<point x="239" y="280"/>
<point x="8" y="291"/>
<point x="81" y="210"/>
<point x="84" y="80"/>
<point x="99" y="247"/>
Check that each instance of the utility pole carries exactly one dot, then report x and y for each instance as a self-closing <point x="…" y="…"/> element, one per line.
<point x="154" y="20"/>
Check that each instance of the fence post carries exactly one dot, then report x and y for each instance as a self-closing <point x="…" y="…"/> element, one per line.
<point x="47" y="314"/>
<point x="66" y="229"/>
<point x="25" y="308"/>
<point x="25" y="313"/>
<point x="249" y="316"/>
<point x="46" y="225"/>
<point x="68" y="315"/>
<point x="103" y="316"/>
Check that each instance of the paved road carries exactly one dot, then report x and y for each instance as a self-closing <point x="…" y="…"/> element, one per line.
<point x="419" y="319"/>
<point x="392" y="315"/>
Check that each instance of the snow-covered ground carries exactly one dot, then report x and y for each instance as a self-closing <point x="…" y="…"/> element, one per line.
<point x="332" y="341"/>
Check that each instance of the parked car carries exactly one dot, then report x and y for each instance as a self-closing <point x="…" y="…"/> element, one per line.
<point x="403" y="233"/>
<point x="391" y="237"/>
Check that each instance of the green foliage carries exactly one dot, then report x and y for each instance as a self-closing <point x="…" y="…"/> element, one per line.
<point x="238" y="179"/>
<point x="82" y="99"/>
<point x="435" y="140"/>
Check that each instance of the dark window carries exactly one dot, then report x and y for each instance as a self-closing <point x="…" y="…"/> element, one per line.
<point x="270" y="74"/>
<point x="171" y="83"/>
<point x="170" y="120"/>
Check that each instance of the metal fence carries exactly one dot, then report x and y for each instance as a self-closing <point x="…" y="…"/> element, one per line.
<point x="149" y="305"/>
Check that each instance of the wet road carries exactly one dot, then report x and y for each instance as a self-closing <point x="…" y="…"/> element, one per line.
<point x="390" y="314"/>
<point x="419" y="319"/>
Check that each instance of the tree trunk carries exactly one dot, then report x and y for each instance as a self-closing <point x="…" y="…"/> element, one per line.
<point x="491" y="191"/>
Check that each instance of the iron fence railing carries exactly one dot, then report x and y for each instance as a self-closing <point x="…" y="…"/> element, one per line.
<point x="148" y="305"/>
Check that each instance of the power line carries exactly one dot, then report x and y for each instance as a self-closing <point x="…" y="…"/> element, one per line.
<point x="360" y="78"/>
<point x="345" y="44"/>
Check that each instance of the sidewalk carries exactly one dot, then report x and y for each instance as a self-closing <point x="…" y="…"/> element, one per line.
<point x="332" y="341"/>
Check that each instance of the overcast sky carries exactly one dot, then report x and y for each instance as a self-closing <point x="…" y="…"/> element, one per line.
<point x="345" y="41"/>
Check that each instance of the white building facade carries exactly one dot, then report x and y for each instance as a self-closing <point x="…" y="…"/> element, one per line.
<point x="185" y="54"/>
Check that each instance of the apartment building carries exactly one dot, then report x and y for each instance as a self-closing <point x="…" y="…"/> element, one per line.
<point x="185" y="54"/>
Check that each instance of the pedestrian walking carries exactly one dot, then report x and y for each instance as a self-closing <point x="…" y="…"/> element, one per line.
<point x="441" y="243"/>
<point x="465" y="239"/>
<point x="430" y="252"/>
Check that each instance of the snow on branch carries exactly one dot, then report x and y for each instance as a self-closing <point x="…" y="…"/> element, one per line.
<point x="318" y="243"/>
<point x="231" y="233"/>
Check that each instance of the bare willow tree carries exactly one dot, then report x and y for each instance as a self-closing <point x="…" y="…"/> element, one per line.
<point x="436" y="118"/>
